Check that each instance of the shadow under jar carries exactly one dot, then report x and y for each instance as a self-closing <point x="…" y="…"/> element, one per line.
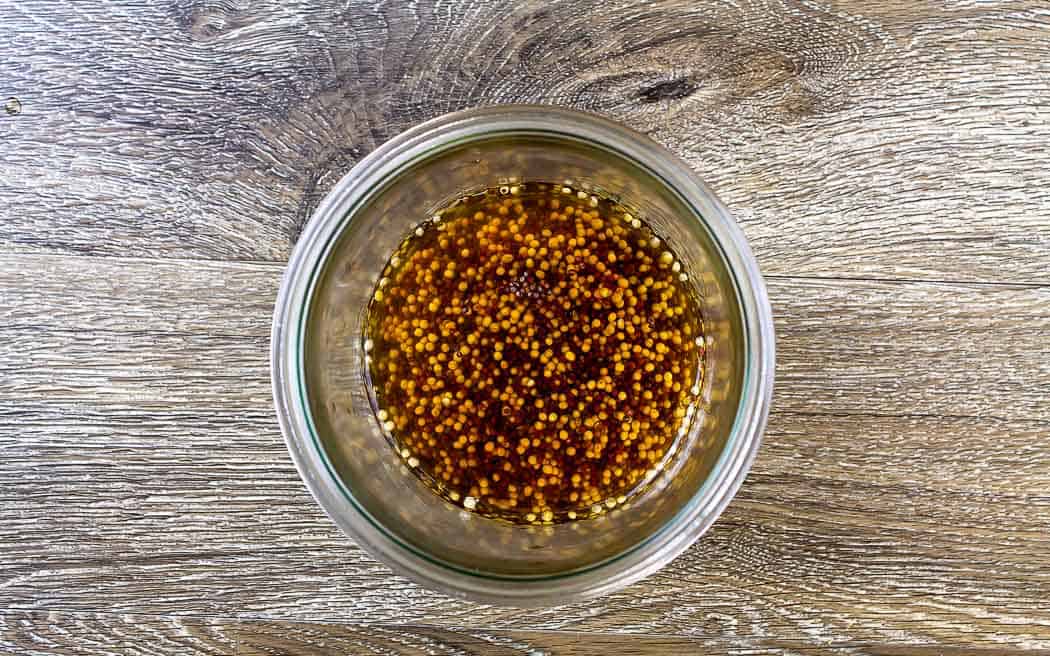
<point x="320" y="373"/>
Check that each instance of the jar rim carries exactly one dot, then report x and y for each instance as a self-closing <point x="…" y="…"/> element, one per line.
<point x="314" y="248"/>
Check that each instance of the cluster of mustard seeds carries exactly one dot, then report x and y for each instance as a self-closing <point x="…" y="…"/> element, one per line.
<point x="534" y="351"/>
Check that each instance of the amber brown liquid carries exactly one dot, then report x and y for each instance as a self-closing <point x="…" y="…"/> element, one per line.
<point x="534" y="352"/>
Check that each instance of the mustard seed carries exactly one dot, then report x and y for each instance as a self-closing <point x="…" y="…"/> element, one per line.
<point x="534" y="360"/>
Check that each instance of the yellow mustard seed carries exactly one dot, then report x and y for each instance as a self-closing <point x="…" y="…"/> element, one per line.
<point x="532" y="360"/>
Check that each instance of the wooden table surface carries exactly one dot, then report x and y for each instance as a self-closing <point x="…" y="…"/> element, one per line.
<point x="889" y="162"/>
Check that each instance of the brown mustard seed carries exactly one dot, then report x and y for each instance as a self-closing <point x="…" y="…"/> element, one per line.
<point x="534" y="353"/>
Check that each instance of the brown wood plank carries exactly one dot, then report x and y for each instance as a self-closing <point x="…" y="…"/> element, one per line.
<point x="902" y="496"/>
<point x="890" y="140"/>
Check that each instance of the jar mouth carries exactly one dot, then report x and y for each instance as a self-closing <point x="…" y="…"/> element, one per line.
<point x="313" y="250"/>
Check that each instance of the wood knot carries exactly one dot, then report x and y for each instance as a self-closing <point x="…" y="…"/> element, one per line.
<point x="209" y="20"/>
<point x="669" y="90"/>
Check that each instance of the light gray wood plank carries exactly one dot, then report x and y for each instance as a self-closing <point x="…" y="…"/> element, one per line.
<point x="37" y="633"/>
<point x="120" y="331"/>
<point x="98" y="634"/>
<point x="887" y="140"/>
<point x="944" y="349"/>
<point x="902" y="496"/>
<point x="799" y="556"/>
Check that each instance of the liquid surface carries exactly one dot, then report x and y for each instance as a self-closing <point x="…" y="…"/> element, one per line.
<point x="534" y="352"/>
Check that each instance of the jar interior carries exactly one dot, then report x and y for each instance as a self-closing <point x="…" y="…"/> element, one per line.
<point x="344" y="423"/>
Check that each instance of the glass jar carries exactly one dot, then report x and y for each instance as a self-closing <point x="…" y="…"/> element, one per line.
<point x="319" y="371"/>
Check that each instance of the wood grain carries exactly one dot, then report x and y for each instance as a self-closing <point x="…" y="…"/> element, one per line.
<point x="891" y="140"/>
<point x="83" y="634"/>
<point x="45" y="634"/>
<point x="886" y="160"/>
<point x="902" y="496"/>
<point x="846" y="346"/>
